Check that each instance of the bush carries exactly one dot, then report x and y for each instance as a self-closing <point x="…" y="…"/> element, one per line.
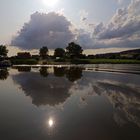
<point x="60" y="60"/>
<point x="80" y="61"/>
<point x="24" y="61"/>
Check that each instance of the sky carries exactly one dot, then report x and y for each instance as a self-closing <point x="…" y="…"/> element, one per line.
<point x="94" y="24"/>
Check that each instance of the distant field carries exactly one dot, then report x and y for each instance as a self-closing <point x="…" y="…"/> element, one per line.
<point x="76" y="61"/>
<point x="106" y="61"/>
<point x="24" y="61"/>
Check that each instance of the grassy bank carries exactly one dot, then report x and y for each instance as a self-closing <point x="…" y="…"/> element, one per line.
<point x="74" y="61"/>
<point x="24" y="61"/>
<point x="105" y="61"/>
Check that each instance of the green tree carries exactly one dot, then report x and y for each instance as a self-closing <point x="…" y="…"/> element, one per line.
<point x="3" y="51"/>
<point x="44" y="52"/>
<point x="74" y="50"/>
<point x="59" y="52"/>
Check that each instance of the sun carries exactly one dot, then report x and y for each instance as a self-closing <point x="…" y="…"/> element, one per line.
<point x="50" y="3"/>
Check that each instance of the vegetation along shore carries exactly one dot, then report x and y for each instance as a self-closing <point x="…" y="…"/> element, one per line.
<point x="72" y="54"/>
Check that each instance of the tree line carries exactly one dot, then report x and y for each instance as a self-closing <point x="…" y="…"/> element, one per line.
<point x="72" y="51"/>
<point x="72" y="74"/>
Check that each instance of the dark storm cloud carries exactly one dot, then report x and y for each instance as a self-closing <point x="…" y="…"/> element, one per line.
<point x="51" y="29"/>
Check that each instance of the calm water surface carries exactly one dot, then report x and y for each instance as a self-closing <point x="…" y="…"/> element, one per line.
<point x="70" y="103"/>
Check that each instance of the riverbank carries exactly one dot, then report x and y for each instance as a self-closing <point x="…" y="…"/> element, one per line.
<point x="106" y="61"/>
<point x="72" y="61"/>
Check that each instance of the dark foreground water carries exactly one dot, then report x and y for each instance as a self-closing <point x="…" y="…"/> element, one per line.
<point x="70" y="103"/>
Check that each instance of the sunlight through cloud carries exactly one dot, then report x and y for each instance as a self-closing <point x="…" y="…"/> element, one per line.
<point x="50" y="3"/>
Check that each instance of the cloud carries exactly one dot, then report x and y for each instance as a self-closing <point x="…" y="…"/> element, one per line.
<point x="124" y="97"/>
<point x="51" y="29"/>
<point x="120" y="1"/>
<point x="84" y="38"/>
<point x="83" y="15"/>
<point x="55" y="30"/>
<point x="123" y="29"/>
<point x="51" y="90"/>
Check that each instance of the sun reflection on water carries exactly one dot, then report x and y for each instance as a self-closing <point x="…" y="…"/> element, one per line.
<point x="51" y="122"/>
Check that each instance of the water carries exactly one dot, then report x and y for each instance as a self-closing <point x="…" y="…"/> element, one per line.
<point x="70" y="103"/>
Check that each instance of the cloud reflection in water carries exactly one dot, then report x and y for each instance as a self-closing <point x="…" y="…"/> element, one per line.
<point x="123" y="92"/>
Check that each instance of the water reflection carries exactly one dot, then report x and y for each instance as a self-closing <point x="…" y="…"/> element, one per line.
<point x="51" y="122"/>
<point x="44" y="71"/>
<point x="53" y="90"/>
<point x="122" y="92"/>
<point x="23" y="69"/>
<point x="98" y="105"/>
<point x="4" y="74"/>
<point x="74" y="73"/>
<point x="59" y="72"/>
<point x="125" y="98"/>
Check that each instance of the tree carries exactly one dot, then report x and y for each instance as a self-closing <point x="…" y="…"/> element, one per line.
<point x="59" y="52"/>
<point x="74" y="50"/>
<point x="24" y="55"/>
<point x="44" y="52"/>
<point x="3" y="51"/>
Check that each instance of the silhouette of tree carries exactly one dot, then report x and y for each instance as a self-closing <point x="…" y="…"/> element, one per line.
<point x="74" y="73"/>
<point x="74" y="50"/>
<point x="59" y="52"/>
<point x="59" y="72"/>
<point x="44" y="52"/>
<point x="44" y="72"/>
<point x="4" y="74"/>
<point x="3" y="51"/>
<point x="23" y="55"/>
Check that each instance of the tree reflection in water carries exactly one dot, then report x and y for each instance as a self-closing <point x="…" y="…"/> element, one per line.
<point x="44" y="71"/>
<point x="59" y="72"/>
<point x="52" y="90"/>
<point x="23" y="68"/>
<point x="4" y="74"/>
<point x="58" y="87"/>
<point x="74" y="73"/>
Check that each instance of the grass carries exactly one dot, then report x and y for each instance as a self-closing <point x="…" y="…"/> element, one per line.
<point x="75" y="61"/>
<point x="24" y="61"/>
<point x="105" y="61"/>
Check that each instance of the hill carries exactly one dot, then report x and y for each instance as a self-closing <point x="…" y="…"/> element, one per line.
<point x="129" y="54"/>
